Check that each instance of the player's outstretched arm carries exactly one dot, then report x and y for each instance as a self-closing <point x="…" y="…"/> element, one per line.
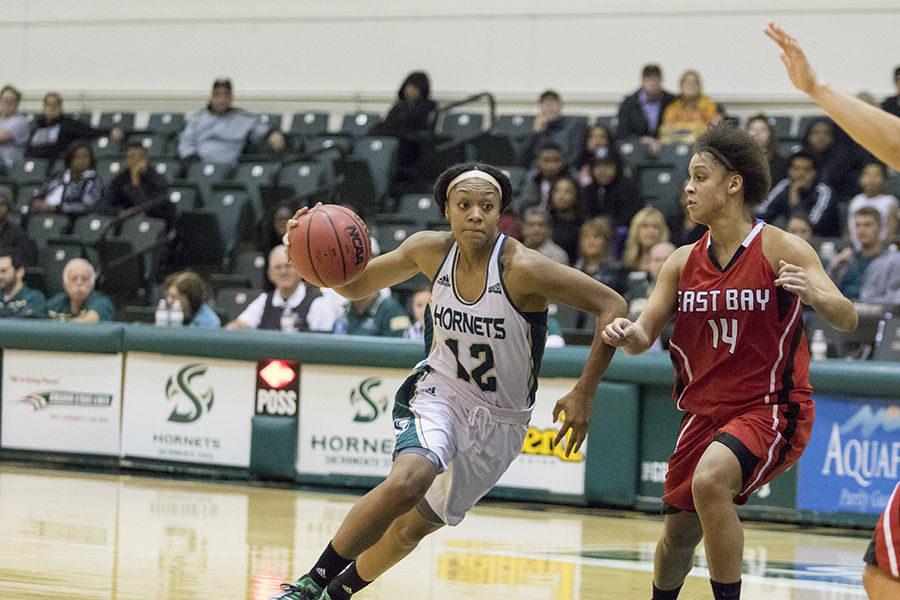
<point x="801" y="272"/>
<point x="636" y="337"/>
<point x="552" y="281"/>
<point x="876" y="130"/>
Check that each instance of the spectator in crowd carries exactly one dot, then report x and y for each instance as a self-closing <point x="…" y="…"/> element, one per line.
<point x="872" y="181"/>
<point x="683" y="230"/>
<point x="881" y="283"/>
<point x="599" y="142"/>
<point x="551" y="126"/>
<point x="648" y="228"/>
<point x="219" y="132"/>
<point x="555" y="337"/>
<point x="13" y="127"/>
<point x="595" y="256"/>
<point x="17" y="300"/>
<point x="75" y="191"/>
<point x="892" y="103"/>
<point x="551" y="165"/>
<point x="291" y="297"/>
<point x="800" y="193"/>
<point x="849" y="267"/>
<point x="190" y="291"/>
<point x="839" y="160"/>
<point x="138" y="188"/>
<point x="640" y="114"/>
<point x="378" y="314"/>
<point x="640" y="283"/>
<point x="690" y="114"/>
<point x="408" y="119"/>
<point x="612" y="192"/>
<point x="418" y="302"/>
<point x="79" y="302"/>
<point x="12" y="236"/>
<point x="536" y="234"/>
<point x="762" y="131"/>
<point x="55" y="132"/>
<point x="273" y="228"/>
<point x="800" y="226"/>
<point x="566" y="216"/>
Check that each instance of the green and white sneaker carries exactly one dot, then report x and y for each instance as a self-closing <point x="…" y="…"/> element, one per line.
<point x="302" y="589"/>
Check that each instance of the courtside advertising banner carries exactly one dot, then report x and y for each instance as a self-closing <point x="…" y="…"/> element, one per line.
<point x="61" y="402"/>
<point x="852" y="461"/>
<point x="345" y="420"/>
<point x="188" y="409"/>
<point x="542" y="465"/>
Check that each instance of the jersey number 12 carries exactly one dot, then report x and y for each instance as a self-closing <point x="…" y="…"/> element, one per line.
<point x="482" y="351"/>
<point x="726" y="330"/>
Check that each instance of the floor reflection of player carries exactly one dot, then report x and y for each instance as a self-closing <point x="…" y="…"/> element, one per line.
<point x="741" y="359"/>
<point x="462" y="415"/>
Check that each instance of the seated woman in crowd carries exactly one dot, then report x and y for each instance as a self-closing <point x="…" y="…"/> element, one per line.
<point x="595" y="253"/>
<point x="189" y="290"/>
<point x="272" y="228"/>
<point x="599" y="141"/>
<point x="648" y="228"/>
<point x="838" y="159"/>
<point x="612" y="192"/>
<point x="566" y="215"/>
<point x="690" y="114"/>
<point x="683" y="229"/>
<point x="762" y="131"/>
<point x="76" y="190"/>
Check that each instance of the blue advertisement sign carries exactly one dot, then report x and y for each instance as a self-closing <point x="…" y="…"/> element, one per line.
<point x="852" y="461"/>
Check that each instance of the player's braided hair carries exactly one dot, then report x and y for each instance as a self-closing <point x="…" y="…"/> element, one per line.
<point x="440" y="186"/>
<point x="737" y="151"/>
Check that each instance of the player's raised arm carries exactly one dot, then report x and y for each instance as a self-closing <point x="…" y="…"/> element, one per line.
<point x="875" y="129"/>
<point x="800" y="272"/>
<point x="553" y="281"/>
<point x="636" y="337"/>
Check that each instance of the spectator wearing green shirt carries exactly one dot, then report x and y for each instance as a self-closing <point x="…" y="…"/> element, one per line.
<point x="80" y="302"/>
<point x="17" y="300"/>
<point x="376" y="315"/>
<point x="848" y="268"/>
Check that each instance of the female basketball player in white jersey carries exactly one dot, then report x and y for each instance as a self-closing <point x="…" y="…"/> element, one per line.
<point x="461" y="416"/>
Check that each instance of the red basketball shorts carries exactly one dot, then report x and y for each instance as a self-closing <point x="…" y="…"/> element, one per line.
<point x="766" y="439"/>
<point x="884" y="551"/>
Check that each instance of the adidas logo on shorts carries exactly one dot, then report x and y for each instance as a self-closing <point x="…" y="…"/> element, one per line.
<point x="444" y="281"/>
<point x="495" y="289"/>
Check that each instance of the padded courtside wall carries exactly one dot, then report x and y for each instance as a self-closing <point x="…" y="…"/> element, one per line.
<point x="516" y="48"/>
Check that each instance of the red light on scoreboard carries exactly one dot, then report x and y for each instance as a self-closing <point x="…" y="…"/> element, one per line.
<point x="277" y="374"/>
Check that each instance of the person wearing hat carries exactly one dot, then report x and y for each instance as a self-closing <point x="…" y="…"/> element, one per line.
<point x="12" y="236"/>
<point x="219" y="132"/>
<point x="612" y="192"/>
<point x="461" y="416"/>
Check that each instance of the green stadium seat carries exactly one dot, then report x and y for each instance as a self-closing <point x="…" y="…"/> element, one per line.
<point x="255" y="176"/>
<point x="156" y="144"/>
<point x="517" y="127"/>
<point x="184" y="197"/>
<point x="106" y="147"/>
<point x="24" y="194"/>
<point x="169" y="169"/>
<point x="234" y="216"/>
<point x="380" y="153"/>
<point x="42" y="227"/>
<point x="308" y="124"/>
<point x="109" y="120"/>
<point x="660" y="183"/>
<point x="360" y="123"/>
<point x="495" y="149"/>
<point x="304" y="179"/>
<point x="53" y="261"/>
<point x="516" y="177"/>
<point x="781" y="124"/>
<point x="166" y="123"/>
<point x="28" y="172"/>
<point x="342" y="142"/>
<point x="233" y="301"/>
<point x="272" y="120"/>
<point x="420" y="208"/>
<point x="390" y="235"/>
<point x="460" y="125"/>
<point x="611" y="122"/>
<point x="676" y="156"/>
<point x="108" y="168"/>
<point x="249" y="272"/>
<point x="84" y="116"/>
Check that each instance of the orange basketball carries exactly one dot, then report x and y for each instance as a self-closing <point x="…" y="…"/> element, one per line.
<point x="330" y="245"/>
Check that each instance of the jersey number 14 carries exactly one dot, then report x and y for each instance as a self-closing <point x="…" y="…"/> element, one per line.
<point x="478" y="351"/>
<point x="725" y="330"/>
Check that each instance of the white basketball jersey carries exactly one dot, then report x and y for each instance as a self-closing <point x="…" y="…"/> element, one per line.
<point x="486" y="349"/>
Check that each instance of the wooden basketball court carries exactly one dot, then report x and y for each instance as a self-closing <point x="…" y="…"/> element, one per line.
<point x="80" y="536"/>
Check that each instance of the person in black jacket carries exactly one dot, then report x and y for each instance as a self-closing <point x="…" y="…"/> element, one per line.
<point x="11" y="235"/>
<point x="54" y="132"/>
<point x="551" y="126"/>
<point x="640" y="114"/>
<point x="409" y="117"/>
<point x="803" y="193"/>
<point x="839" y="160"/>
<point x="891" y="104"/>
<point x="137" y="185"/>
<point x="612" y="192"/>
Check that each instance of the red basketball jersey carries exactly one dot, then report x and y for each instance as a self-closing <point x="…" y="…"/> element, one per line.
<point x="738" y="338"/>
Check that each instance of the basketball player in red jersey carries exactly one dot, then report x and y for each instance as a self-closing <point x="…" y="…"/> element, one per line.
<point x="882" y="575"/>
<point x="740" y="356"/>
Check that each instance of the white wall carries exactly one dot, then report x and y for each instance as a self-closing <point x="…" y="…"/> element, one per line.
<point x="292" y="54"/>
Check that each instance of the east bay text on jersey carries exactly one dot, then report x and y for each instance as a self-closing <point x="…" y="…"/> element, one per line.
<point x="452" y="319"/>
<point x="730" y="299"/>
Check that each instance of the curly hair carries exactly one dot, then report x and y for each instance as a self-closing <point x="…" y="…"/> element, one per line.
<point x="737" y="151"/>
<point x="443" y="181"/>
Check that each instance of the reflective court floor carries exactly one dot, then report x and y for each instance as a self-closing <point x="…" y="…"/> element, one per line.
<point x="80" y="536"/>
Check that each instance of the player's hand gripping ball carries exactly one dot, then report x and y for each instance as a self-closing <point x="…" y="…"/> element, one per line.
<point x="328" y="244"/>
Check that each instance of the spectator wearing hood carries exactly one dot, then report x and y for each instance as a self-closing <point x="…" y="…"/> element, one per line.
<point x="409" y="117"/>
<point x="612" y="192"/>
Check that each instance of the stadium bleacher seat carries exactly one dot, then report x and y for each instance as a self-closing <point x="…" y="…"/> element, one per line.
<point x="166" y="123"/>
<point x="636" y="155"/>
<point x="360" y="123"/>
<point x="517" y="127"/>
<point x="309" y="123"/>
<point x="781" y="125"/>
<point x="108" y="168"/>
<point x="41" y="227"/>
<point x="249" y="272"/>
<point x="169" y="169"/>
<point x="676" y="156"/>
<point x="24" y="194"/>
<point x="234" y="215"/>
<point x="156" y="144"/>
<point x="887" y="340"/>
<point x="390" y="235"/>
<point x="495" y="149"/>
<point x="343" y="142"/>
<point x="272" y="120"/>
<point x="109" y="120"/>
<point x="52" y="261"/>
<point x="28" y="172"/>
<point x="106" y="147"/>
<point x="516" y="177"/>
<point x="380" y="154"/>
<point x="184" y="197"/>
<point x="233" y="301"/>
<point x="611" y="122"/>
<point x="660" y="183"/>
<point x="84" y="116"/>
<point x="303" y="179"/>
<point x="460" y="125"/>
<point x="255" y="177"/>
<point x="420" y="208"/>
<point x="788" y="147"/>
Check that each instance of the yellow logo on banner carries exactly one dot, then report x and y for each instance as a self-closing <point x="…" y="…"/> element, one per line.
<point x="541" y="442"/>
<point x="485" y="569"/>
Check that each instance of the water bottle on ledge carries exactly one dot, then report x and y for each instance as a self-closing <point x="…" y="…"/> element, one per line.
<point x="819" y="347"/>
<point x="176" y="315"/>
<point x="162" y="313"/>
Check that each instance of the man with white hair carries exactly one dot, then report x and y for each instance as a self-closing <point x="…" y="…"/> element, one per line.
<point x="80" y="302"/>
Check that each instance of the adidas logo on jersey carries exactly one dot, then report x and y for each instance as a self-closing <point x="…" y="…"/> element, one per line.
<point x="444" y="281"/>
<point x="428" y="390"/>
<point x="495" y="289"/>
